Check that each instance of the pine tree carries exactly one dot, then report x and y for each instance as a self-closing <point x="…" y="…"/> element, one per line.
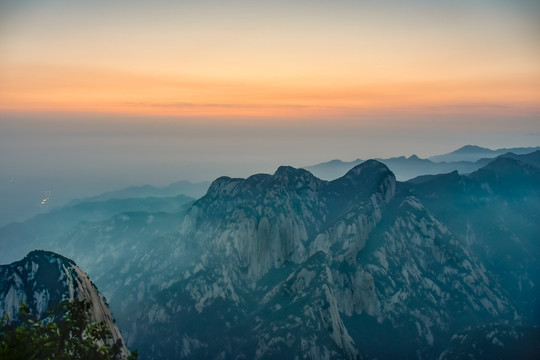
<point x="66" y="333"/>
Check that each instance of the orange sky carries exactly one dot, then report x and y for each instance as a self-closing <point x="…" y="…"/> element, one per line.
<point x="302" y="60"/>
<point x="56" y="88"/>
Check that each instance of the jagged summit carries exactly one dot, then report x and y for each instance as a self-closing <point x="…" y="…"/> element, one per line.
<point x="267" y="220"/>
<point x="223" y="186"/>
<point x="287" y="170"/>
<point x="365" y="179"/>
<point x="284" y="177"/>
<point x="364" y="174"/>
<point x="290" y="173"/>
<point x="368" y="170"/>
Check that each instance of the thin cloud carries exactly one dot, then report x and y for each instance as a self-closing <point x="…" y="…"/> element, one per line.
<point x="182" y="105"/>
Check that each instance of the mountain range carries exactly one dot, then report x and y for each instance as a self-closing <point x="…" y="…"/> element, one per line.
<point x="23" y="198"/>
<point x="291" y="266"/>
<point x="474" y="153"/>
<point x="59" y="228"/>
<point x="464" y="160"/>
<point x="186" y="188"/>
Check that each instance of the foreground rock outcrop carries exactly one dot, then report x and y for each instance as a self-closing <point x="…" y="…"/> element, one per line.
<point x="43" y="280"/>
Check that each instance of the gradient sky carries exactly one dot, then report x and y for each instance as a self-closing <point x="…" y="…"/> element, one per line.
<point x="164" y="90"/>
<point x="250" y="59"/>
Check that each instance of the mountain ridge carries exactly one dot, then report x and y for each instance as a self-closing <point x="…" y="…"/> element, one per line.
<point x="475" y="153"/>
<point x="238" y="256"/>
<point x="248" y="264"/>
<point x="406" y="168"/>
<point x="182" y="187"/>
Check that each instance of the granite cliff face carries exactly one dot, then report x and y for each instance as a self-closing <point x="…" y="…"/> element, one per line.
<point x="495" y="213"/>
<point x="287" y="265"/>
<point x="266" y="220"/>
<point x="42" y="280"/>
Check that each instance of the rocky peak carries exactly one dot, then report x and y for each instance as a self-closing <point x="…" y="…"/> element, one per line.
<point x="223" y="186"/>
<point x="369" y="177"/>
<point x="367" y="167"/>
<point x="268" y="219"/>
<point x="44" y="279"/>
<point x="289" y="176"/>
<point x="285" y="177"/>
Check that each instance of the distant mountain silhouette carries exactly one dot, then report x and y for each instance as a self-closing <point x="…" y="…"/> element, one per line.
<point x="530" y="158"/>
<point x="475" y="153"/>
<point x="406" y="168"/>
<point x="193" y="190"/>
<point x="47" y="231"/>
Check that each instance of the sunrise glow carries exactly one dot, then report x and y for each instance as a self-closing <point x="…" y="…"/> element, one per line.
<point x="257" y="60"/>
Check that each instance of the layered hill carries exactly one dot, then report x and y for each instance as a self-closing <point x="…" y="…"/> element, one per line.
<point x="95" y="231"/>
<point x="464" y="160"/>
<point x="475" y="153"/>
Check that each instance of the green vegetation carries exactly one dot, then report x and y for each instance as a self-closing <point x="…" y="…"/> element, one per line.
<point x="65" y="334"/>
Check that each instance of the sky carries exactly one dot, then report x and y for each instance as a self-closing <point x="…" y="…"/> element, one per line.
<point x="115" y="93"/>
